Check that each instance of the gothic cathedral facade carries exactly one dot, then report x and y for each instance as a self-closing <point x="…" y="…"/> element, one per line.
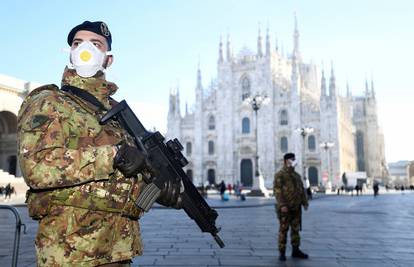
<point x="223" y="134"/>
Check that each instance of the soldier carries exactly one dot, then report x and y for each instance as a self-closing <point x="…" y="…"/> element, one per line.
<point x="84" y="177"/>
<point x="290" y="196"/>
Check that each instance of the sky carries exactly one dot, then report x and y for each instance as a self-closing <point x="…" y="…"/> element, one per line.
<point x="158" y="44"/>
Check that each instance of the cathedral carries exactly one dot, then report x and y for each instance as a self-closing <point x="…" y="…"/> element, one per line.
<point x="264" y="104"/>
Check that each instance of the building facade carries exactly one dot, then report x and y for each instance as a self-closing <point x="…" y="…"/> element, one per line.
<point x="12" y="93"/>
<point x="400" y="173"/>
<point x="219" y="134"/>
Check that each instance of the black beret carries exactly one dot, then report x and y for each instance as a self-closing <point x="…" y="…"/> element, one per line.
<point x="289" y="156"/>
<point x="97" y="27"/>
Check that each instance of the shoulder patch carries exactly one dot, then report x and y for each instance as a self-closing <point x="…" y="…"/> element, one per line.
<point x="38" y="120"/>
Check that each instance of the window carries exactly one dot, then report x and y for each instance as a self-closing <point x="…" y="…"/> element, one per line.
<point x="245" y="125"/>
<point x="210" y="147"/>
<point x="245" y="88"/>
<point x="211" y="123"/>
<point x="283" y="117"/>
<point x="284" y="144"/>
<point x="188" y="148"/>
<point x="360" y="151"/>
<point x="311" y="143"/>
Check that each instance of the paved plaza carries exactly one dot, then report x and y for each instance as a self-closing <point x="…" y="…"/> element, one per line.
<point x="337" y="231"/>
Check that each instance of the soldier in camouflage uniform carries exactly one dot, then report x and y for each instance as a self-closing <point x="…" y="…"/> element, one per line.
<point x="84" y="177"/>
<point x="290" y="197"/>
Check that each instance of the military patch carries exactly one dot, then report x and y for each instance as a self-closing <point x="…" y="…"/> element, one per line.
<point x="38" y="120"/>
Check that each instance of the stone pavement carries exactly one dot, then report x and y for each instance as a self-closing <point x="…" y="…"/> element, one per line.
<point x="337" y="231"/>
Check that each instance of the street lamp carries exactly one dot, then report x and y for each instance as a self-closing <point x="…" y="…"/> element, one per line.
<point x="326" y="146"/>
<point x="304" y="131"/>
<point x="256" y="102"/>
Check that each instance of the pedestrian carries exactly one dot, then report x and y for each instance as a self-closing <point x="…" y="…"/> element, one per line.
<point x="222" y="188"/>
<point x="290" y="197"/>
<point x="357" y="189"/>
<point x="229" y="188"/>
<point x="84" y="178"/>
<point x="8" y="191"/>
<point x="376" y="189"/>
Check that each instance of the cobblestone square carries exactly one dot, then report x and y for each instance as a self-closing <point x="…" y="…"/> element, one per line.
<point x="337" y="231"/>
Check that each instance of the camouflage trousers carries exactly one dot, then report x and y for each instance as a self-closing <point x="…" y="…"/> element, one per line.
<point x="291" y="218"/>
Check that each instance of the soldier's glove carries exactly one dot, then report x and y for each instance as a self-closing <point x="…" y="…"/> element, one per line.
<point x="170" y="195"/>
<point x="129" y="160"/>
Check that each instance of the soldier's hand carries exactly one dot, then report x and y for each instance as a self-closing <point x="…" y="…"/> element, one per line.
<point x="129" y="160"/>
<point x="284" y="209"/>
<point x="306" y="206"/>
<point x="170" y="195"/>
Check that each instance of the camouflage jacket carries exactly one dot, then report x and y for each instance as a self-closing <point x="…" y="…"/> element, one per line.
<point x="288" y="189"/>
<point x="85" y="208"/>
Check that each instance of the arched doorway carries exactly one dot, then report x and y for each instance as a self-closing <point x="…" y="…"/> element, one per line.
<point x="313" y="175"/>
<point x="211" y="176"/>
<point x="12" y="160"/>
<point x="8" y="142"/>
<point x="8" y="123"/>
<point x="246" y="172"/>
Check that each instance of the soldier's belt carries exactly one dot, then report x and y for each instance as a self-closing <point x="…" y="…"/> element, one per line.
<point x="104" y="202"/>
<point x="40" y="203"/>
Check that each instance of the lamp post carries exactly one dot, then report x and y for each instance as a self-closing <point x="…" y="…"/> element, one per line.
<point x="326" y="146"/>
<point x="304" y="131"/>
<point x="256" y="103"/>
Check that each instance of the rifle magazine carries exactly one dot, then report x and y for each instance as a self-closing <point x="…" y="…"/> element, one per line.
<point x="147" y="197"/>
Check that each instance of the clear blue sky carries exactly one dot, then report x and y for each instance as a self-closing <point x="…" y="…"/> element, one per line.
<point x="157" y="44"/>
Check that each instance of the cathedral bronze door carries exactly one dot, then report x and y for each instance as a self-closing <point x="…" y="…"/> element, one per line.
<point x="246" y="172"/>
<point x="211" y="176"/>
<point x="313" y="176"/>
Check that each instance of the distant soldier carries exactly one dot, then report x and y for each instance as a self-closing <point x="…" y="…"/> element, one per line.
<point x="290" y="197"/>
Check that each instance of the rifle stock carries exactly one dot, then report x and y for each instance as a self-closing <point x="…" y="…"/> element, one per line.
<point x="167" y="161"/>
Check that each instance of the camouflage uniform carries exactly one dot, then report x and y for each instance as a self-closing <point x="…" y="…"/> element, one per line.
<point x="289" y="192"/>
<point x="85" y="208"/>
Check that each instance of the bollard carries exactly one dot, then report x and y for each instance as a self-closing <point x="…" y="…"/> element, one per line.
<point x="16" y="233"/>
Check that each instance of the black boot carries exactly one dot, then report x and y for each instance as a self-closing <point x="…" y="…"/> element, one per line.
<point x="282" y="256"/>
<point x="297" y="253"/>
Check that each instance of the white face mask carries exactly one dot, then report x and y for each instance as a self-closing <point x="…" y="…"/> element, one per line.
<point x="293" y="163"/>
<point x="87" y="59"/>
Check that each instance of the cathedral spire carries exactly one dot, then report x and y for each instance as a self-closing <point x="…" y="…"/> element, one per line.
<point x="276" y="44"/>
<point x="332" y="85"/>
<point x="323" y="84"/>
<point x="366" y="88"/>
<point x="228" y="51"/>
<point x="199" y="85"/>
<point x="348" y="91"/>
<point x="372" y="88"/>
<point x="221" y="59"/>
<point x="259" y="44"/>
<point x="267" y="42"/>
<point x="296" y="52"/>
<point x="177" y="101"/>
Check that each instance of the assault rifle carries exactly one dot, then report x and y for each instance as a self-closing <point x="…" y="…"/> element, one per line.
<point x="167" y="161"/>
